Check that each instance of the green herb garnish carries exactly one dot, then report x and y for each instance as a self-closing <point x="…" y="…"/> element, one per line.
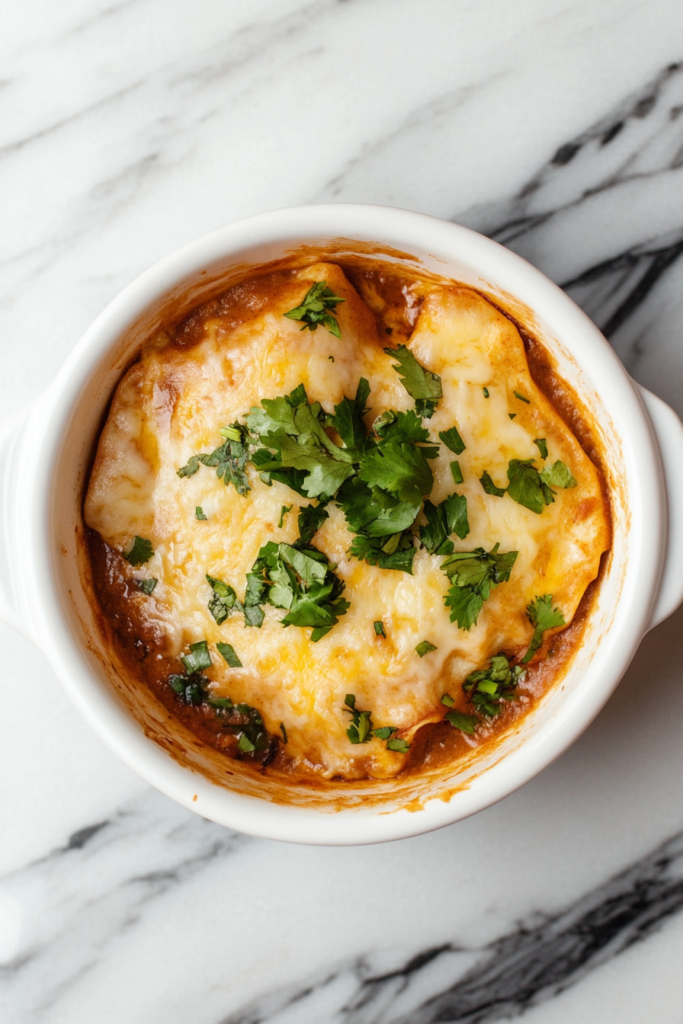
<point x="222" y="601"/>
<point x="488" y="687"/>
<point x="456" y="473"/>
<point x="317" y="308"/>
<point x="448" y="701"/>
<point x="192" y="688"/>
<point x="489" y="486"/>
<point x="486" y="392"/>
<point x="140" y="551"/>
<point x="398" y="745"/>
<point x="229" y="460"/>
<point x="459" y="720"/>
<point x="559" y="475"/>
<point x="379" y="628"/>
<point x="284" y="732"/>
<point x="421" y="384"/>
<point x="527" y="486"/>
<point x="521" y="397"/>
<point x="542" y="616"/>
<point x="473" y="575"/>
<point x="452" y="439"/>
<point x="360" y="729"/>
<point x="198" y="658"/>
<point x="283" y="512"/>
<point x="227" y="652"/>
<point x="199" y="513"/>
<point x="442" y="520"/>
<point x="148" y="585"/>
<point x="542" y="446"/>
<point x="512" y="415"/>
<point x="425" y="648"/>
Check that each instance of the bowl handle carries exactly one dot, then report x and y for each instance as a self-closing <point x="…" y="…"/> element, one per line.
<point x="11" y="432"/>
<point x="669" y="433"/>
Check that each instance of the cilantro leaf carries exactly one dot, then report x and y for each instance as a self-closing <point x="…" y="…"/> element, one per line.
<point x="489" y="486"/>
<point x="192" y="688"/>
<point x="227" y="652"/>
<point x="403" y="426"/>
<point x="349" y="425"/>
<point x="521" y="397"/>
<point x="374" y="511"/>
<point x="456" y="473"/>
<point x="448" y="701"/>
<point x="379" y="628"/>
<point x="360" y="729"/>
<point x="486" y="392"/>
<point x="399" y="468"/>
<point x="526" y="486"/>
<point x="198" y="658"/>
<point x="559" y="475"/>
<point x="398" y="745"/>
<point x="473" y="575"/>
<point x="223" y="599"/>
<point x="283" y="512"/>
<point x="253" y="616"/>
<point x="370" y="550"/>
<point x="148" y="585"/>
<point x="421" y="384"/>
<point x="452" y="439"/>
<point x="542" y="446"/>
<point x="424" y="647"/>
<point x="311" y="518"/>
<point x="385" y="732"/>
<point x="191" y="468"/>
<point x="490" y="686"/>
<point x="199" y="513"/>
<point x="316" y="308"/>
<point x="542" y="616"/>
<point x="362" y="395"/>
<point x="442" y="520"/>
<point x="140" y="551"/>
<point x="230" y="459"/>
<point x="459" y="720"/>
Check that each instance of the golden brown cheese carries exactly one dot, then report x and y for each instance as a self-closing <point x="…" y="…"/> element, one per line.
<point x="170" y="406"/>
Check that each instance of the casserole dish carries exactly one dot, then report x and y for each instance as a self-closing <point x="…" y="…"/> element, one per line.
<point x="45" y="455"/>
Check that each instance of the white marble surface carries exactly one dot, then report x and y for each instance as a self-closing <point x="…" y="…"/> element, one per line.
<point x="127" y="129"/>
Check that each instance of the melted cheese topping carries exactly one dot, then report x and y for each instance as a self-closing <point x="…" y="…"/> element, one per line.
<point x="170" y="405"/>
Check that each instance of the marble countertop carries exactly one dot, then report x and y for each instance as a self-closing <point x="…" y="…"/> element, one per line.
<point x="127" y="129"/>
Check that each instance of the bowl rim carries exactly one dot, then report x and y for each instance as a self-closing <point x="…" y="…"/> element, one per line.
<point x="408" y="231"/>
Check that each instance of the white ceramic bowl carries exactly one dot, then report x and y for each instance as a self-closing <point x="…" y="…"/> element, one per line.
<point x="44" y="459"/>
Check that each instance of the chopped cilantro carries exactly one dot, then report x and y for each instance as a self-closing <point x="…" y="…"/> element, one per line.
<point x="140" y="551"/>
<point x="398" y="745"/>
<point x="527" y="487"/>
<point x="191" y="468"/>
<point x="283" y="512"/>
<point x="198" y="658"/>
<point x="253" y="615"/>
<point x="452" y="439"/>
<point x="473" y="575"/>
<point x="512" y="415"/>
<point x="148" y="585"/>
<point x="456" y="473"/>
<point x="244" y="744"/>
<point x="559" y="475"/>
<point x="360" y="729"/>
<point x="229" y="460"/>
<point x="284" y="732"/>
<point x="421" y="384"/>
<point x="486" y="392"/>
<point x="448" y="701"/>
<point x="521" y="397"/>
<point x="488" y="687"/>
<point x="542" y="446"/>
<point x="424" y="647"/>
<point x="489" y="486"/>
<point x="372" y="550"/>
<point x="442" y="520"/>
<point x="223" y="599"/>
<point x="385" y="733"/>
<point x="299" y="580"/>
<point x="227" y="652"/>
<point x="542" y="616"/>
<point x="297" y="450"/>
<point x="400" y="468"/>
<point x="224" y="703"/>
<point x="310" y="519"/>
<point x="317" y="308"/>
<point x="192" y="687"/>
<point x="199" y="513"/>
<point x="379" y="628"/>
<point x="459" y="720"/>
